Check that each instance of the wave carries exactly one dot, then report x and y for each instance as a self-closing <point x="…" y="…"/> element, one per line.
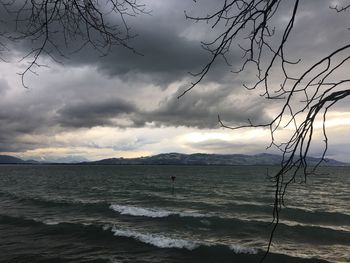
<point x="238" y="249"/>
<point x="249" y="211"/>
<point x="151" y="212"/>
<point x="48" y="201"/>
<point x="337" y="231"/>
<point x="12" y="220"/>
<point x="114" y="236"/>
<point x="100" y="231"/>
<point x="289" y="216"/>
<point x="220" y="222"/>
<point x="231" y="225"/>
<point x="311" y="216"/>
<point x="163" y="241"/>
<point x="47" y="222"/>
<point x="157" y="240"/>
<point x="57" y="204"/>
<point x="139" y="211"/>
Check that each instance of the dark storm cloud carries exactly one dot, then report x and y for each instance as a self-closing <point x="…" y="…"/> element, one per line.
<point x="39" y="115"/>
<point x="201" y="109"/>
<point x="197" y="109"/>
<point x="95" y="113"/>
<point x="167" y="58"/>
<point x="165" y="53"/>
<point x="168" y="55"/>
<point x="23" y="119"/>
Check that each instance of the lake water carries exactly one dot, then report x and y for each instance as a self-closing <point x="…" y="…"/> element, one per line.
<point x="136" y="214"/>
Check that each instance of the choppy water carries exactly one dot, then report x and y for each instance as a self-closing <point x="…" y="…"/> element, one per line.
<point x="132" y="214"/>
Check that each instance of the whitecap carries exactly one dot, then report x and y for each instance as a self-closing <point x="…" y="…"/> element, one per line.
<point x="192" y="214"/>
<point x="50" y="222"/>
<point x="238" y="249"/>
<point x="105" y="227"/>
<point x="150" y="212"/>
<point x="139" y="211"/>
<point x="156" y="239"/>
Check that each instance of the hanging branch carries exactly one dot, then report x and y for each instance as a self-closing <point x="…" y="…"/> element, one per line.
<point x="46" y="23"/>
<point x="306" y="97"/>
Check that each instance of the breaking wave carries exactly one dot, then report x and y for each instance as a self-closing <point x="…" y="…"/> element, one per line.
<point x="156" y="239"/>
<point x="238" y="249"/>
<point x="162" y="241"/>
<point x="139" y="211"/>
<point x="151" y="212"/>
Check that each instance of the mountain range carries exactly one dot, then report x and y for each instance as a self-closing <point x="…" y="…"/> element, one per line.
<point x="186" y="159"/>
<point x="7" y="159"/>
<point x="207" y="159"/>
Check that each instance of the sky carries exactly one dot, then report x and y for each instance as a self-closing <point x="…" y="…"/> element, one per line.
<point x="89" y="107"/>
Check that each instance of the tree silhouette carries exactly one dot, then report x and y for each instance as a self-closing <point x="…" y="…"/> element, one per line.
<point x="45" y="23"/>
<point x="305" y="96"/>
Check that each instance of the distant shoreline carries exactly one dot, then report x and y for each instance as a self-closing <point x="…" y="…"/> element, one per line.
<point x="178" y="159"/>
<point x="179" y="165"/>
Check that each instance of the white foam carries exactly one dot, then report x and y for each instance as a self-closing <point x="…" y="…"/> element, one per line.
<point x="192" y="214"/>
<point x="139" y="211"/>
<point x="50" y="222"/>
<point x="156" y="240"/>
<point x="150" y="212"/>
<point x="105" y="227"/>
<point x="238" y="249"/>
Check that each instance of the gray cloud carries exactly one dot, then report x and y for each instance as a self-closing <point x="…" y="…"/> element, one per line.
<point x="167" y="55"/>
<point x="221" y="146"/>
<point x="201" y="108"/>
<point x="116" y="95"/>
<point x="20" y="120"/>
<point x="46" y="113"/>
<point x="94" y="113"/>
<point x="4" y="86"/>
<point x="196" y="109"/>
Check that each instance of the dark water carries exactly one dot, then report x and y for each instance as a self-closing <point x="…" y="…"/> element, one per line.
<point x="132" y="214"/>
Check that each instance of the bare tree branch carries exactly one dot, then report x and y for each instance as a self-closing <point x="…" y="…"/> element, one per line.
<point x="45" y="23"/>
<point x="306" y="96"/>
